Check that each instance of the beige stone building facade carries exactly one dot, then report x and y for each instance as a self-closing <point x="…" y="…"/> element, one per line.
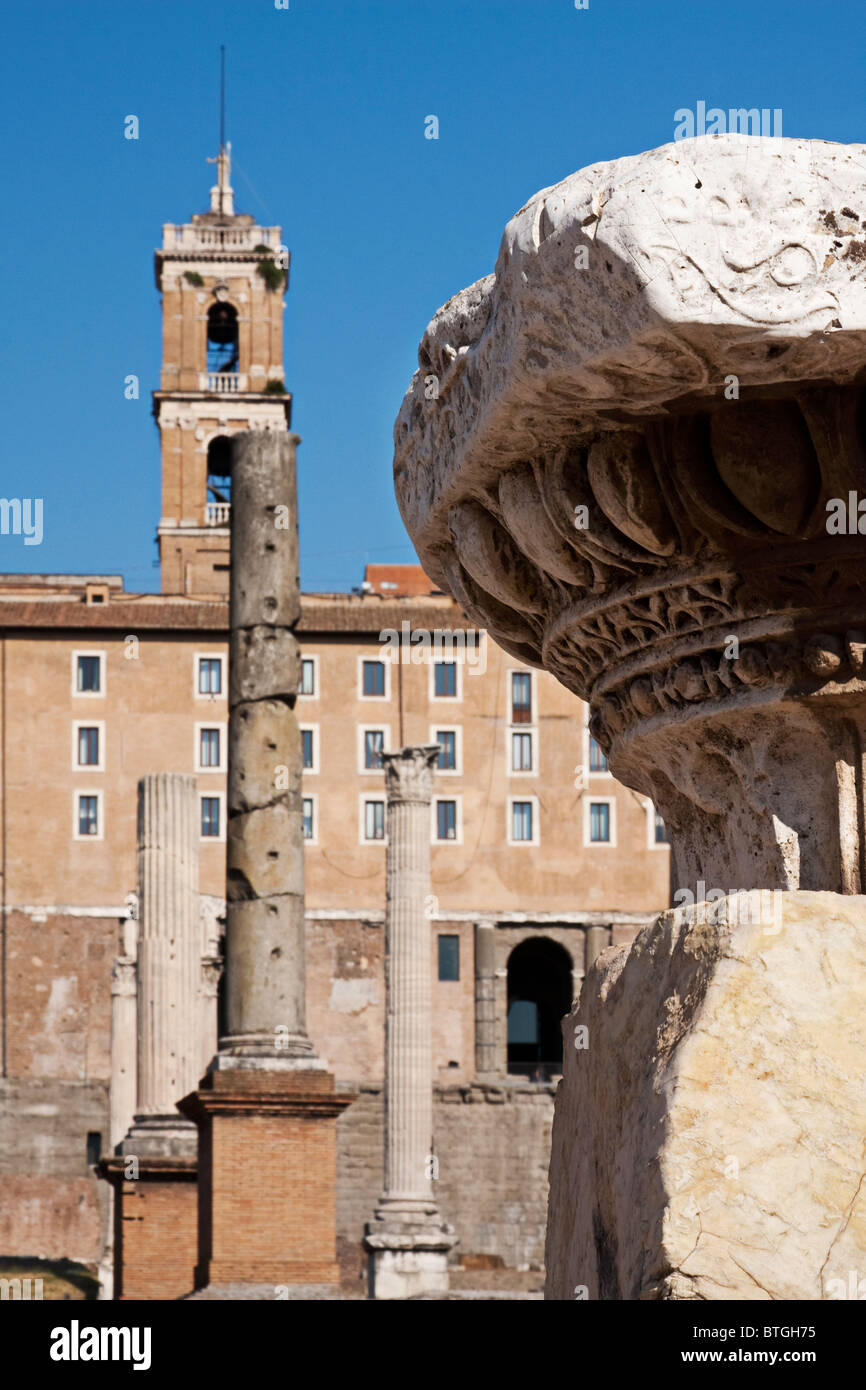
<point x="538" y="857"/>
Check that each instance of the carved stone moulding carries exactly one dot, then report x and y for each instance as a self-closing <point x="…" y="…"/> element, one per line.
<point x="635" y="454"/>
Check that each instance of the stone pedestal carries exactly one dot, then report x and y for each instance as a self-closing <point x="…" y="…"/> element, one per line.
<point x="267" y="1108"/>
<point x="713" y="1148"/>
<point x="406" y="1240"/>
<point x="643" y="468"/>
<point x="280" y="1127"/>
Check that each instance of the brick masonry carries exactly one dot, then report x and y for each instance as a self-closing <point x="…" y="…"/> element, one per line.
<point x="267" y="1161"/>
<point x="155" y="1239"/>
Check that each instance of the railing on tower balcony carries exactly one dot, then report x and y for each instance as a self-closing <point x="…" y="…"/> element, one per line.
<point x="217" y="513"/>
<point x="195" y="238"/>
<point x="224" y="383"/>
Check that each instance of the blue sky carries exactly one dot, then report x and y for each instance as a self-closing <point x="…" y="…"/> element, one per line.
<point x="326" y="109"/>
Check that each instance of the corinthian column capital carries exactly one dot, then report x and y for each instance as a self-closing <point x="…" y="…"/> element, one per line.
<point x="409" y="774"/>
<point x="641" y="470"/>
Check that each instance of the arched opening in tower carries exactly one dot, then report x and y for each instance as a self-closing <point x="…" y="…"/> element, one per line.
<point x="539" y="996"/>
<point x="222" y="338"/>
<point x="219" y="469"/>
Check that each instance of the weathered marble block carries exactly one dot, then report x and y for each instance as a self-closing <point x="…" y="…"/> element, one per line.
<point x="709" y="1140"/>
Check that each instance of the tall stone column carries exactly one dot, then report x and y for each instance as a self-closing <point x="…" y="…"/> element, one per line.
<point x="155" y="1170"/>
<point x="267" y="1107"/>
<point x="407" y="1243"/>
<point x="486" y="1060"/>
<point x="644" y="471"/>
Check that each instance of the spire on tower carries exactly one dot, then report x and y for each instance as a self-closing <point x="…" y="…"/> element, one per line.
<point x="222" y="198"/>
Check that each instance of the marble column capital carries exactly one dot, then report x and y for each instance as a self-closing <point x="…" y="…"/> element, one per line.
<point x="642" y="470"/>
<point x="409" y="774"/>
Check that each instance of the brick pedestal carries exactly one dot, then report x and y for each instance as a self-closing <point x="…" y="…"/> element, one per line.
<point x="155" y="1227"/>
<point x="268" y="1170"/>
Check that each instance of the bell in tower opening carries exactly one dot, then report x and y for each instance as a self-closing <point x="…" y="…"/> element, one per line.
<point x="222" y="338"/>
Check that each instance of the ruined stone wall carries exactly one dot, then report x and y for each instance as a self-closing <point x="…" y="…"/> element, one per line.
<point x="58" y="1034"/>
<point x="51" y="1205"/>
<point x="492" y="1144"/>
<point x="58" y="973"/>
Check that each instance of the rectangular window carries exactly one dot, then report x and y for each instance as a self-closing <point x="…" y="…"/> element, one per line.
<point x="445" y="680"/>
<point x="597" y="759"/>
<point x="661" y="834"/>
<point x="308" y="818"/>
<point x="521" y="820"/>
<point x="94" y="1147"/>
<point x="447" y="740"/>
<point x="446" y="820"/>
<point x="88" y="677"/>
<point x="521" y="697"/>
<point x="449" y="957"/>
<point x="521" y="752"/>
<point x="210" y="817"/>
<point x="210" y="675"/>
<point x="209" y="748"/>
<point x="374" y="743"/>
<point x="88" y="747"/>
<point x="308" y="677"/>
<point x="599" y="822"/>
<point x="374" y="820"/>
<point x="374" y="678"/>
<point x="88" y="815"/>
<point x="307" y="747"/>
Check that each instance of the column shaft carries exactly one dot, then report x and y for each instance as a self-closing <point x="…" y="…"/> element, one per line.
<point x="168" y="945"/>
<point x="265" y="851"/>
<point x="485" y="999"/>
<point x="408" y="1027"/>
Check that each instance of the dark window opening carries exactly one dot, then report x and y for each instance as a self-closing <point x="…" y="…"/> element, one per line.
<point x="222" y="338"/>
<point x="374" y="745"/>
<point x="446" y="820"/>
<point x="307" y="747"/>
<point x="88" y="670"/>
<point x="449" y="957"/>
<point x="374" y="678"/>
<point x="94" y="1147"/>
<point x="597" y="757"/>
<point x="447" y="740"/>
<point x="445" y="680"/>
<point x="539" y="996"/>
<point x="521" y="697"/>
<point x="210" y="817"/>
<point x="219" y="469"/>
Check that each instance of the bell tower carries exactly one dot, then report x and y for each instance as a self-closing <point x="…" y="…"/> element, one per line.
<point x="222" y="279"/>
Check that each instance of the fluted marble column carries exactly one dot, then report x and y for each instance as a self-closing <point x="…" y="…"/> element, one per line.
<point x="407" y="1242"/>
<point x="169" y="961"/>
<point x="485" y="1000"/>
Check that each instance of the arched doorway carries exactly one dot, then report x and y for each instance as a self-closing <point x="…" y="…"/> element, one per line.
<point x="539" y="996"/>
